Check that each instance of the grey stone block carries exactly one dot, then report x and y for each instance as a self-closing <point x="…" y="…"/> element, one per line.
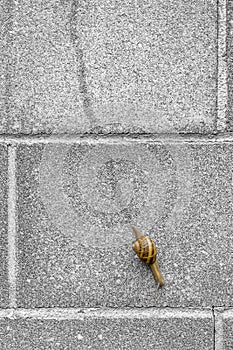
<point x="3" y="228"/>
<point x="228" y="333"/>
<point x="224" y="329"/>
<point x="102" y="66"/>
<point x="110" y="330"/>
<point x="222" y="93"/>
<point x="229" y="55"/>
<point x="75" y="206"/>
<point x="43" y="92"/>
<point x="5" y="43"/>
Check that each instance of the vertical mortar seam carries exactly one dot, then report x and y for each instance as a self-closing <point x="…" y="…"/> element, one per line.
<point x="214" y="329"/>
<point x="12" y="262"/>
<point x="222" y="91"/>
<point x="219" y="341"/>
<point x="217" y="68"/>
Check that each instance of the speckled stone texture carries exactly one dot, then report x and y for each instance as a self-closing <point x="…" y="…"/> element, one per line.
<point x="229" y="54"/>
<point x="228" y="334"/>
<point x="224" y="328"/>
<point x="110" y="66"/>
<point x="228" y="330"/>
<point x="5" y="43"/>
<point x="3" y="228"/>
<point x="112" y="330"/>
<point x="75" y="206"/>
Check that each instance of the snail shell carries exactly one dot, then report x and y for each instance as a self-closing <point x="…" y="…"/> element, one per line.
<point x="145" y="248"/>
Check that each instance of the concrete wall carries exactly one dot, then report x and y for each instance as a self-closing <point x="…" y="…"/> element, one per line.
<point x="116" y="113"/>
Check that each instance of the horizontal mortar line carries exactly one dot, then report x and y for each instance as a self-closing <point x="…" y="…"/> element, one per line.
<point x="130" y="313"/>
<point x="225" y="313"/>
<point x="116" y="138"/>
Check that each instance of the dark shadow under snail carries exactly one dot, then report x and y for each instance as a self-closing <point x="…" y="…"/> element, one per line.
<point x="145" y="248"/>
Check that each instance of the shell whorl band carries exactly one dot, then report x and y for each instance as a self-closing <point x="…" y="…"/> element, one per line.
<point x="145" y="248"/>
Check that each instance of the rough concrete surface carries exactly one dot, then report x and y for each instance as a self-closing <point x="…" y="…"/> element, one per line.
<point x="228" y="331"/>
<point x="5" y="27"/>
<point x="3" y="228"/>
<point x="75" y="206"/>
<point x="229" y="55"/>
<point x="222" y="68"/>
<point x="109" y="331"/>
<point x="228" y="334"/>
<point x="109" y="66"/>
<point x="223" y="328"/>
<point x="157" y="77"/>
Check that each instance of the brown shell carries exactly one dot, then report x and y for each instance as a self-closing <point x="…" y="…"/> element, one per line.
<point x="145" y="248"/>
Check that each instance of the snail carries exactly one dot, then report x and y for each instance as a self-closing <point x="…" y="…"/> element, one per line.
<point x="145" y="248"/>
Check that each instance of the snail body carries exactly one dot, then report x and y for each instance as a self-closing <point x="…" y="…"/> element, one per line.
<point x="146" y="250"/>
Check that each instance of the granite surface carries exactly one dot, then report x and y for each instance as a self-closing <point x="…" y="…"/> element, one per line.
<point x="75" y="206"/>
<point x="108" y="67"/>
<point x="139" y="330"/>
<point x="5" y="48"/>
<point x="69" y="68"/>
<point x="224" y="328"/>
<point x="229" y="58"/>
<point x="228" y="332"/>
<point x="3" y="228"/>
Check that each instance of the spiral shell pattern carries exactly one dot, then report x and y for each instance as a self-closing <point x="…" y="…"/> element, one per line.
<point x="145" y="248"/>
